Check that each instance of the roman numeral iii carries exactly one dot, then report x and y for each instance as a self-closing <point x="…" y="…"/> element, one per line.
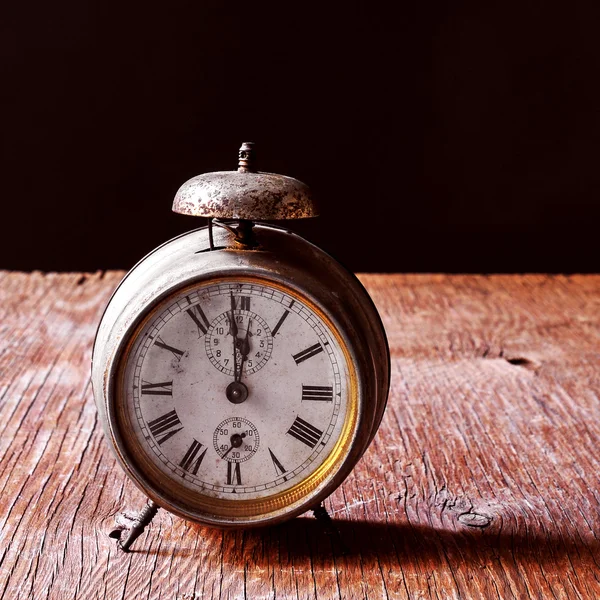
<point x="165" y="427"/>
<point x="164" y="388"/>
<point x="308" y="353"/>
<point x="190" y="462"/>
<point x="318" y="393"/>
<point x="244" y="302"/>
<point x="305" y="432"/>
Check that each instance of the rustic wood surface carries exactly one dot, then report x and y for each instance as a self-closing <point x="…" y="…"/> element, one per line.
<point x="483" y="482"/>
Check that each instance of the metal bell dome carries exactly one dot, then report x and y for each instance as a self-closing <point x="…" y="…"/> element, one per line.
<point x="245" y="194"/>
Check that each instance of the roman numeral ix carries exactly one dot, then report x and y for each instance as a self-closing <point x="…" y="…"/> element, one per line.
<point x="166" y="426"/>
<point x="308" y="353"/>
<point x="305" y="432"/>
<point x="318" y="393"/>
<point x="190" y="462"/>
<point x="164" y="388"/>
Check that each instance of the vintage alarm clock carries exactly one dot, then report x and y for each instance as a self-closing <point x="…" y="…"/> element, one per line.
<point x="239" y="371"/>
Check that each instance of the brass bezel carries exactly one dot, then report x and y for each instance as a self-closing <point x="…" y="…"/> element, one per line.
<point x="190" y="504"/>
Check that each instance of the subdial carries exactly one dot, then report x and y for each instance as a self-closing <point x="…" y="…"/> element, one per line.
<point x="236" y="439"/>
<point x="251" y="349"/>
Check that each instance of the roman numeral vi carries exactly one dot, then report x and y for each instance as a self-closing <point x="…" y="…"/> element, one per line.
<point x="234" y="476"/>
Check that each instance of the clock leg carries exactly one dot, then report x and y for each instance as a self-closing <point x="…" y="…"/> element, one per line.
<point x="321" y="515"/>
<point x="142" y="520"/>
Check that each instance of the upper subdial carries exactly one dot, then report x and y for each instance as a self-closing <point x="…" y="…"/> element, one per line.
<point x="249" y="351"/>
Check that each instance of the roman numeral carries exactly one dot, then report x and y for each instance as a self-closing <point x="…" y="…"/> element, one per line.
<point x="233" y="473"/>
<point x="244" y="302"/>
<point x="279" y="468"/>
<point x="164" y="388"/>
<point x="319" y="393"/>
<point x="161" y="344"/>
<point x="190" y="462"/>
<point x="308" y="353"/>
<point x="305" y="432"/>
<point x="279" y="323"/>
<point x="165" y="426"/>
<point x="198" y="317"/>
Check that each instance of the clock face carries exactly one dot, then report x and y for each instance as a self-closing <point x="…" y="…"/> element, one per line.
<point x="236" y="390"/>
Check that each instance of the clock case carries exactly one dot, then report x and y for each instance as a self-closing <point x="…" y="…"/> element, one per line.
<point x="257" y="250"/>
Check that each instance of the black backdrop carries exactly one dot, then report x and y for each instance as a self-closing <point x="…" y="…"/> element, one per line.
<point x="438" y="136"/>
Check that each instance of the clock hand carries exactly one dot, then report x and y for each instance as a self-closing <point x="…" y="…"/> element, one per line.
<point x="244" y="346"/>
<point x="233" y="330"/>
<point x="236" y="441"/>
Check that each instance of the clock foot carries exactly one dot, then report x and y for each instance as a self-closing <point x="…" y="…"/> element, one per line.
<point x="142" y="520"/>
<point x="321" y="515"/>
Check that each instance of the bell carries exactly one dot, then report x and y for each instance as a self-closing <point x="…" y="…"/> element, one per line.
<point x="245" y="194"/>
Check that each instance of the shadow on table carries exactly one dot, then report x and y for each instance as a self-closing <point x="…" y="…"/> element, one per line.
<point x="403" y="542"/>
<point x="399" y="543"/>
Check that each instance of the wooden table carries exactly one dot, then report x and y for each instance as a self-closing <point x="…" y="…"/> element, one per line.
<point x="483" y="482"/>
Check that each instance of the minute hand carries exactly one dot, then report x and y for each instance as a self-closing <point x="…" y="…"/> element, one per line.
<point x="233" y="330"/>
<point x="245" y="348"/>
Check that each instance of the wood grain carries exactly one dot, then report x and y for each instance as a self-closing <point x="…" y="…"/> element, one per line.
<point x="483" y="482"/>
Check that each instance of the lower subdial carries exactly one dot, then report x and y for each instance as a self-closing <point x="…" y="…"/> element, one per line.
<point x="253" y="335"/>
<point x="236" y="439"/>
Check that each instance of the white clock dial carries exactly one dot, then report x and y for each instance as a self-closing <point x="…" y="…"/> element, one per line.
<point x="236" y="389"/>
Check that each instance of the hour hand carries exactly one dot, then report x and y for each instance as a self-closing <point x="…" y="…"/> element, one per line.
<point x="233" y="329"/>
<point x="245" y="343"/>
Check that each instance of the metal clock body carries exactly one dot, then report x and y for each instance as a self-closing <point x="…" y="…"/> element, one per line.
<point x="239" y="383"/>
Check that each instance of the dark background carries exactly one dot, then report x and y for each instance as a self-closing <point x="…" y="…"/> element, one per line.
<point x="438" y="136"/>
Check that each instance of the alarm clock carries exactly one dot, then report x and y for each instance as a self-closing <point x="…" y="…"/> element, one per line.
<point x="239" y="371"/>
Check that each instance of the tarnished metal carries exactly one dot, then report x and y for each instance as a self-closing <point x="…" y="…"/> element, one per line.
<point x="139" y="525"/>
<point x="252" y="253"/>
<point x="245" y="194"/>
<point x="284" y="260"/>
<point x="247" y="158"/>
